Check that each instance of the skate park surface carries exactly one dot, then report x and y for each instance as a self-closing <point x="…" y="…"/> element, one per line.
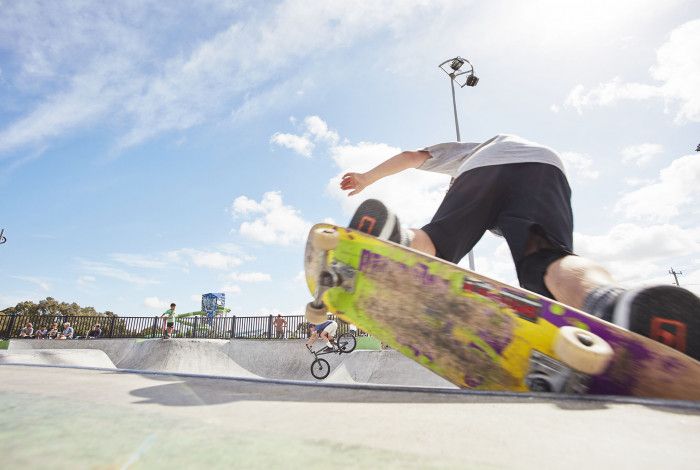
<point x="92" y="408"/>
<point x="283" y="359"/>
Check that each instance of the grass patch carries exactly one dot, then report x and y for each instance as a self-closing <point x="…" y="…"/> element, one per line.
<point x="368" y="342"/>
<point x="4" y="343"/>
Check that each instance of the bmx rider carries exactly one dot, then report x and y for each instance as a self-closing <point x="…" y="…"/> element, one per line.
<point x="324" y="331"/>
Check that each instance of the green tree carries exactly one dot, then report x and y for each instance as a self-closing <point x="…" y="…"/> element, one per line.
<point x="50" y="307"/>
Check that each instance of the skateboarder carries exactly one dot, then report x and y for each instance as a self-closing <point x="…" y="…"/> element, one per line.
<point x="324" y="331"/>
<point x="518" y="189"/>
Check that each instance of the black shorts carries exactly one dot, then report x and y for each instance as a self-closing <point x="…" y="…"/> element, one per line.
<point x="519" y="201"/>
<point x="170" y="324"/>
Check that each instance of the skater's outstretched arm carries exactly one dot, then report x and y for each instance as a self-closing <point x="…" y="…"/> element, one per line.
<point x="356" y="182"/>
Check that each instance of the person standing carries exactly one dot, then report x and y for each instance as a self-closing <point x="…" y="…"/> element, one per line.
<point x="280" y="324"/>
<point x="169" y="322"/>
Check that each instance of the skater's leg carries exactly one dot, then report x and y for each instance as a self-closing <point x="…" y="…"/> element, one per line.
<point x="571" y="278"/>
<point x="421" y="241"/>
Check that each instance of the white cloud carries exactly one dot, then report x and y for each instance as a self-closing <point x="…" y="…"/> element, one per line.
<point x="104" y="270"/>
<point x="637" y="254"/>
<point x="231" y="289"/>
<point x="413" y="195"/>
<point x="37" y="281"/>
<point x="627" y="241"/>
<point x="85" y="281"/>
<point x="277" y="223"/>
<point x="300" y="144"/>
<point x="205" y="259"/>
<point x="243" y="205"/>
<point x="641" y="154"/>
<point x="87" y="99"/>
<point x="227" y="256"/>
<point x="579" y="165"/>
<point x="634" y="181"/>
<point x="186" y="83"/>
<point x="677" y="69"/>
<point x="318" y="128"/>
<point x="139" y="261"/>
<point x="286" y="93"/>
<point x="154" y="303"/>
<point x="497" y="265"/>
<point x="249" y="277"/>
<point x="316" y="131"/>
<point x="675" y="189"/>
<point x="606" y="94"/>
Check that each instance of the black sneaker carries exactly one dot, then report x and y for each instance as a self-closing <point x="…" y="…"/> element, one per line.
<point x="374" y="218"/>
<point x="667" y="314"/>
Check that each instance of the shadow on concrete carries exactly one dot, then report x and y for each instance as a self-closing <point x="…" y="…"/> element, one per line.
<point x="198" y="391"/>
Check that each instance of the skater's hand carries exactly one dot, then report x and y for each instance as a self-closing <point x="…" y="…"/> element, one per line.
<point x="354" y="182"/>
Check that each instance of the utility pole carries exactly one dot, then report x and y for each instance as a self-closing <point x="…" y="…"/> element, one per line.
<point x="675" y="275"/>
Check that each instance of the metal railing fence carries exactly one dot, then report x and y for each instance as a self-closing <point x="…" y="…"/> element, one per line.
<point x="239" y="327"/>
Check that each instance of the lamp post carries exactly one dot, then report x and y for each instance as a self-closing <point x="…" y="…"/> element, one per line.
<point x="467" y="79"/>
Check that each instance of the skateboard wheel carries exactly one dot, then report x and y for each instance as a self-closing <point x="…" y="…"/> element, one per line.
<point x="325" y="239"/>
<point x="316" y="315"/>
<point x="582" y="350"/>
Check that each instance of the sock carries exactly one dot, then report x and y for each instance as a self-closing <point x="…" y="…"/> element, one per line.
<point x="407" y="236"/>
<point x="601" y="301"/>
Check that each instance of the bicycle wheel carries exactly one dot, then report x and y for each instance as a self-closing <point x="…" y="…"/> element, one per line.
<point x="320" y="369"/>
<point x="347" y="342"/>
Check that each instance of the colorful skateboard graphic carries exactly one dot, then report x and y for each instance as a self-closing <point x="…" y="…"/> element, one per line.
<point x="479" y="333"/>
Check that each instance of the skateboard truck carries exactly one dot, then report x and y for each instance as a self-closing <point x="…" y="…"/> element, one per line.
<point x="335" y="275"/>
<point x="331" y="275"/>
<point x="546" y="374"/>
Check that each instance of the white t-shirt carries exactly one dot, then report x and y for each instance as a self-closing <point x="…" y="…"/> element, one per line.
<point x="454" y="158"/>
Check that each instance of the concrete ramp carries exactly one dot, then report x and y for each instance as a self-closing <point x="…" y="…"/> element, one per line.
<point x="385" y="367"/>
<point x="198" y="356"/>
<point x="283" y="359"/>
<point x="340" y="375"/>
<point x="58" y="357"/>
<point x="194" y="356"/>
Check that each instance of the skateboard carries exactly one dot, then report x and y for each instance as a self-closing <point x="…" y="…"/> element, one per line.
<point x="479" y="333"/>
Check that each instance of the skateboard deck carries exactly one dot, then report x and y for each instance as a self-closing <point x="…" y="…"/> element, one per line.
<point x="479" y="333"/>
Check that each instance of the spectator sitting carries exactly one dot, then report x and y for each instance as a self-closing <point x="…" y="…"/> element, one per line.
<point x="53" y="332"/>
<point x="96" y="331"/>
<point x="42" y="333"/>
<point x="27" y="331"/>
<point x="67" y="331"/>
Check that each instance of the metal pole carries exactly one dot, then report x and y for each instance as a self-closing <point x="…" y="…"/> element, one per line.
<point x="459" y="139"/>
<point x="454" y="106"/>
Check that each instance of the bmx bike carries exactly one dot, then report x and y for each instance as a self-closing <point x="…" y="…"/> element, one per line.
<point x="344" y="344"/>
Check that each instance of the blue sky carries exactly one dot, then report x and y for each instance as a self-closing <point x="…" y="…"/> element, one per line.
<point x="154" y="151"/>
